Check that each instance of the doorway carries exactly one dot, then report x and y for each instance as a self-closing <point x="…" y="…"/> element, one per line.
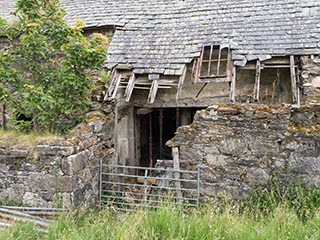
<point x="155" y="126"/>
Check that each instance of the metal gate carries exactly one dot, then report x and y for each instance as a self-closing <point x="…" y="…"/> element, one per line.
<point x="130" y="187"/>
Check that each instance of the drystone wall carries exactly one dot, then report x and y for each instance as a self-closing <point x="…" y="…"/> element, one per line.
<point x="59" y="173"/>
<point x="311" y="78"/>
<point x="247" y="146"/>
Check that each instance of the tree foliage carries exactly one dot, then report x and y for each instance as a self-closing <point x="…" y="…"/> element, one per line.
<point x="43" y="69"/>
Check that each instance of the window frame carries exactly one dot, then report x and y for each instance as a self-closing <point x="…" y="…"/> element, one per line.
<point x="218" y="77"/>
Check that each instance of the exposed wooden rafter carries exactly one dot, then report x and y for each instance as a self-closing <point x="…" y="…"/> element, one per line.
<point x="181" y="82"/>
<point x="257" y="81"/>
<point x="114" y="85"/>
<point x="130" y="87"/>
<point x="153" y="91"/>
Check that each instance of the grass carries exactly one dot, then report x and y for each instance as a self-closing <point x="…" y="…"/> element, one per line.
<point x="280" y="212"/>
<point x="208" y="222"/>
<point x="26" y="141"/>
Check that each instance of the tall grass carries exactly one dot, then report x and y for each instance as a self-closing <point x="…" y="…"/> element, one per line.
<point x="174" y="223"/>
<point x="278" y="213"/>
<point x="303" y="201"/>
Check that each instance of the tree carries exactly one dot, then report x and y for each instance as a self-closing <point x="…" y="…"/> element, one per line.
<point x="43" y="71"/>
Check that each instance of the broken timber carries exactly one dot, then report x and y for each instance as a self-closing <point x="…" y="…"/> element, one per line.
<point x="293" y="80"/>
<point x="10" y="215"/>
<point x="114" y="85"/>
<point x="233" y="85"/>
<point x="257" y="81"/>
<point x="181" y="82"/>
<point x="176" y="166"/>
<point x="130" y="87"/>
<point x="153" y="91"/>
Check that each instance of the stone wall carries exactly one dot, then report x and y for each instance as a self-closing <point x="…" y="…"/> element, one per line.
<point x="63" y="172"/>
<point x="246" y="146"/>
<point x="311" y="78"/>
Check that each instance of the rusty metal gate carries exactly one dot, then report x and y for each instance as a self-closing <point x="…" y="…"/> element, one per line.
<point x="130" y="187"/>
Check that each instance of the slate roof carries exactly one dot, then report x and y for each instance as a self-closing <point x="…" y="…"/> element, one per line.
<point x="161" y="36"/>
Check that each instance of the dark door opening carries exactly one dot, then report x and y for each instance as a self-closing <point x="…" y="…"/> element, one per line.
<point x="157" y="126"/>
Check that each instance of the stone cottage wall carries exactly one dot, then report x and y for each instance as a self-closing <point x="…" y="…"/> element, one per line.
<point x="60" y="174"/>
<point x="311" y="79"/>
<point x="247" y="146"/>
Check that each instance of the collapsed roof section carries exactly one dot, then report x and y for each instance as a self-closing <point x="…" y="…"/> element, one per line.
<point x="160" y="37"/>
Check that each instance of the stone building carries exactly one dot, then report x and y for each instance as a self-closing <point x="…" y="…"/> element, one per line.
<point x="170" y="59"/>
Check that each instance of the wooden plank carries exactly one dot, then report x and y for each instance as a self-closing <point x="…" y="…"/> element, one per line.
<point x="161" y="132"/>
<point x="176" y="166"/>
<point x="219" y="59"/>
<point x="112" y="84"/>
<point x="117" y="84"/>
<point x="181" y="82"/>
<point x="257" y="81"/>
<point x="233" y="84"/>
<point x="131" y="139"/>
<point x="277" y="61"/>
<point x="153" y="91"/>
<point x="150" y="181"/>
<point x="274" y="66"/>
<point x="293" y="80"/>
<point x="298" y="74"/>
<point x="130" y="87"/>
<point x="164" y="163"/>
<point x="150" y="142"/>
<point x="194" y="68"/>
<point x="229" y="66"/>
<point x="144" y="111"/>
<point x="214" y="79"/>
<point x="210" y="58"/>
<point x="198" y="67"/>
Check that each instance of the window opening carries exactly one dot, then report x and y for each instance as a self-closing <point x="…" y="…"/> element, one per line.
<point x="213" y="64"/>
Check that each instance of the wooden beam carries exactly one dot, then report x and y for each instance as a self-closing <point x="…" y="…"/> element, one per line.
<point x="112" y="84"/>
<point x="130" y="87"/>
<point x="229" y="66"/>
<point x="150" y="142"/>
<point x="257" y="81"/>
<point x="144" y="111"/>
<point x="131" y="139"/>
<point x="117" y="84"/>
<point x="213" y="79"/>
<point x="293" y="80"/>
<point x="233" y="84"/>
<point x="181" y="82"/>
<point x="219" y="59"/>
<point x="195" y="62"/>
<point x="153" y="91"/>
<point x="176" y="166"/>
<point x="298" y="86"/>
<point x="210" y="58"/>
<point x="161" y="132"/>
<point x="198" y="67"/>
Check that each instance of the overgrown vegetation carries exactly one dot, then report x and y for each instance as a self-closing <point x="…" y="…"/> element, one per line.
<point x="173" y="223"/>
<point x="27" y="141"/>
<point x="44" y="67"/>
<point x="288" y="213"/>
<point x="302" y="201"/>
